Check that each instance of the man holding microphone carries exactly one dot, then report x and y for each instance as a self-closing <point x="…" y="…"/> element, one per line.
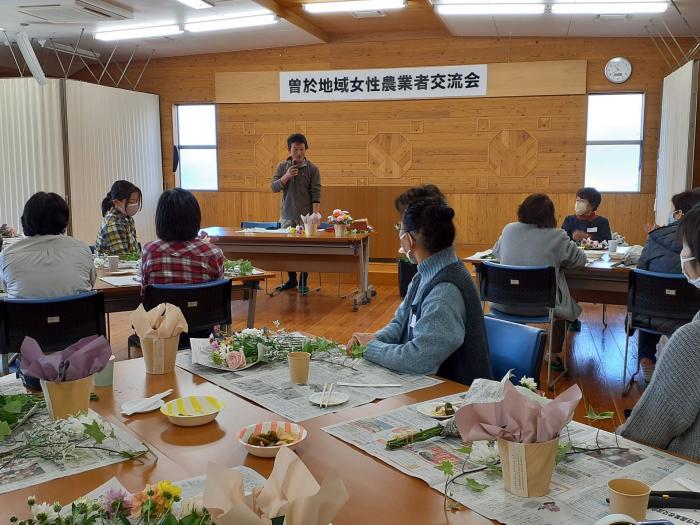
<point x="300" y="183"/>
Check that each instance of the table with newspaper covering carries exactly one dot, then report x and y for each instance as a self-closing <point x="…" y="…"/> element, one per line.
<point x="578" y="489"/>
<point x="269" y="386"/>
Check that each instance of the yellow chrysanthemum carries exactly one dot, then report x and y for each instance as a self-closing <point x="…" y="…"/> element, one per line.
<point x="168" y="491"/>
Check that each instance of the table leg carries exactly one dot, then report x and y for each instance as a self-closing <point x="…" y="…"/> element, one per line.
<point x="252" y="300"/>
<point x="107" y="327"/>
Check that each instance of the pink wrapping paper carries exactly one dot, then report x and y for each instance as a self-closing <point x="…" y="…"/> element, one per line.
<point x="517" y="418"/>
<point x="79" y="360"/>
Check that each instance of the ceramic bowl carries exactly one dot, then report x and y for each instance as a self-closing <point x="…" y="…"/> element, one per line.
<point x="192" y="411"/>
<point x="266" y="426"/>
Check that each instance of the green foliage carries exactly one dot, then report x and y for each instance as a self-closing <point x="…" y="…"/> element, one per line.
<point x="13" y="409"/>
<point x="134" y="256"/>
<point x="95" y="432"/>
<point x="474" y="485"/>
<point x="356" y="351"/>
<point x="238" y="266"/>
<point x="218" y="358"/>
<point x="562" y="451"/>
<point x="464" y="449"/>
<point x="5" y="430"/>
<point x="592" y="415"/>
<point x="415" y="437"/>
<point x="447" y="468"/>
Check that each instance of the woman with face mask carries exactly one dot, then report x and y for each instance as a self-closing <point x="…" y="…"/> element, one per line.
<point x="439" y="327"/>
<point x="668" y="413"/>
<point x="585" y="224"/>
<point x="117" y="233"/>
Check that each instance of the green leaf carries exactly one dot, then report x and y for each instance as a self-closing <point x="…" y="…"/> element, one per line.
<point x="95" y="432"/>
<point x="594" y="416"/>
<point x="447" y="468"/>
<point x="562" y="451"/>
<point x="474" y="485"/>
<point x="465" y="449"/>
<point x="4" y="430"/>
<point x="170" y="520"/>
<point x="13" y="406"/>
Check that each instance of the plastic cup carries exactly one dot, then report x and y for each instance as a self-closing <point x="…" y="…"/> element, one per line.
<point x="113" y="263"/>
<point x="629" y="496"/>
<point x="105" y="377"/>
<point x="299" y="367"/>
<point x="612" y="246"/>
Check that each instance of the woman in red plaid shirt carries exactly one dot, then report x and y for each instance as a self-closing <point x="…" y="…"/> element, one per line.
<point x="179" y="256"/>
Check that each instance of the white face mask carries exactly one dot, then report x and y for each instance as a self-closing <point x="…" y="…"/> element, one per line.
<point x="695" y="282"/>
<point x="407" y="246"/>
<point x="580" y="208"/>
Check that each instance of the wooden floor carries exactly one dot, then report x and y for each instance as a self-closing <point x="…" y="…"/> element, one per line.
<point x="595" y="354"/>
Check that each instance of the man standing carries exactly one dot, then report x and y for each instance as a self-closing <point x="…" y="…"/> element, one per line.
<point x="300" y="183"/>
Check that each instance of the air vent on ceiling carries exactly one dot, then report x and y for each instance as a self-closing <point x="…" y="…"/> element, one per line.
<point x="75" y="11"/>
<point x="368" y="14"/>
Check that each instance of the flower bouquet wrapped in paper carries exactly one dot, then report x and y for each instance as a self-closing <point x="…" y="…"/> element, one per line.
<point x="311" y="222"/>
<point x="159" y="330"/>
<point x="527" y="434"/>
<point x="66" y="376"/>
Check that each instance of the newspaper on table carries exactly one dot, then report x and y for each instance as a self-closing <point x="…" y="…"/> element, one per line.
<point x="11" y="384"/>
<point x="269" y="385"/>
<point x="32" y="471"/>
<point x="579" y="485"/>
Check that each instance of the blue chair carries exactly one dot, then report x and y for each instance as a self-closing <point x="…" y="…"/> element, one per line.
<point x="659" y="296"/>
<point x="522" y="286"/>
<point x="266" y="225"/>
<point x="55" y="322"/>
<point x="514" y="346"/>
<point x="203" y="306"/>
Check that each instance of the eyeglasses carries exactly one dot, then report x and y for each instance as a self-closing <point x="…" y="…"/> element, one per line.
<point x="686" y="259"/>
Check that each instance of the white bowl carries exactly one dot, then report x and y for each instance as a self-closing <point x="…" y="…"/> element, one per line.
<point x="266" y="426"/>
<point x="192" y="411"/>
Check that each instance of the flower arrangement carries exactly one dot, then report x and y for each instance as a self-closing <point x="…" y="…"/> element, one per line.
<point x="7" y="231"/>
<point x="158" y="504"/>
<point x="238" y="267"/>
<point x="297" y="230"/>
<point x="340" y="217"/>
<point x="61" y="440"/>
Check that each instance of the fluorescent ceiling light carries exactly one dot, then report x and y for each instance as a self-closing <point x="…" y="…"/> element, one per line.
<point x="490" y="9"/>
<point x="615" y="8"/>
<point x="140" y="32"/>
<point x="231" y="23"/>
<point x="197" y="4"/>
<point x="354" y="5"/>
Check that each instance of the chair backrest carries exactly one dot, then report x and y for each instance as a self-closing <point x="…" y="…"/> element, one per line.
<point x="515" y="346"/>
<point x="55" y="322"/>
<point x="662" y="295"/>
<point x="203" y="305"/>
<point x="517" y="285"/>
<point x="254" y="224"/>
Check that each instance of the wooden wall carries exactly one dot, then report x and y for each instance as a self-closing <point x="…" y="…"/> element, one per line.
<point x="486" y="154"/>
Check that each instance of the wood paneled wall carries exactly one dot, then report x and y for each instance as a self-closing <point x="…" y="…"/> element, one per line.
<point x="486" y="154"/>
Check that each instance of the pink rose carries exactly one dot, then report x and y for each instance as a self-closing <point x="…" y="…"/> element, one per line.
<point x="235" y="360"/>
<point x="337" y="212"/>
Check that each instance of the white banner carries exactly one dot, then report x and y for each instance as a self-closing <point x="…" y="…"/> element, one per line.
<point x="384" y="84"/>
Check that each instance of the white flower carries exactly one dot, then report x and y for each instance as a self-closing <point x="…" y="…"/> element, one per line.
<point x="484" y="452"/>
<point x="529" y="383"/>
<point x="252" y="331"/>
<point x="72" y="427"/>
<point x="44" y="513"/>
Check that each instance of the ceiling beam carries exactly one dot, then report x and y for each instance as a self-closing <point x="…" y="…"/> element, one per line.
<point x="294" y="19"/>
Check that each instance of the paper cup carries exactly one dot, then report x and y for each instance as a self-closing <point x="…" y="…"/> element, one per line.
<point x="67" y="398"/>
<point x="310" y="229"/>
<point x="159" y="354"/>
<point x="105" y="377"/>
<point x="527" y="467"/>
<point x="629" y="496"/>
<point x="612" y="246"/>
<point x="299" y="367"/>
<point x="339" y="230"/>
<point x="113" y="263"/>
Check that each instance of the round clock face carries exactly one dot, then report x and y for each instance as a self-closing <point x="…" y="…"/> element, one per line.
<point x="618" y="70"/>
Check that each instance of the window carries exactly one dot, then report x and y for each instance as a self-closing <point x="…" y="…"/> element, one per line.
<point x="195" y="138"/>
<point x="614" y="141"/>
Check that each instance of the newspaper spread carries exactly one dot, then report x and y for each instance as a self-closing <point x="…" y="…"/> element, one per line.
<point x="269" y="386"/>
<point x="579" y="484"/>
<point x="11" y="384"/>
<point x="31" y="471"/>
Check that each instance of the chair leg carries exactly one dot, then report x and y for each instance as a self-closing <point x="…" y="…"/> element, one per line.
<point x="605" y="316"/>
<point x="551" y="383"/>
<point x="626" y="387"/>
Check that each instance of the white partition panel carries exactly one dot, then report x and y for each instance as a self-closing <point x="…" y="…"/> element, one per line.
<point x="674" y="172"/>
<point x="112" y="134"/>
<point x="31" y="144"/>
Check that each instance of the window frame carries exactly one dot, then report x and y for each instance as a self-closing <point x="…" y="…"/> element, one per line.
<point x="639" y="142"/>
<point x="176" y="144"/>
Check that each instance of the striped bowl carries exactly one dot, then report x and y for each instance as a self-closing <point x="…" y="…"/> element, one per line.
<point x="192" y="411"/>
<point x="266" y="426"/>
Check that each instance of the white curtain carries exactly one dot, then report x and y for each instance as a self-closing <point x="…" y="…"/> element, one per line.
<point x="113" y="134"/>
<point x="674" y="171"/>
<point x="31" y="144"/>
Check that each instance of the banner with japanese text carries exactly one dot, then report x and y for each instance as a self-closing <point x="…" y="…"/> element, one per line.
<point x="384" y="84"/>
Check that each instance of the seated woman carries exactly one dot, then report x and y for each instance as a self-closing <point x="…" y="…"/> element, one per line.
<point x="46" y="263"/>
<point x="667" y="414"/>
<point x="586" y="224"/>
<point x="536" y="241"/>
<point x="660" y="254"/>
<point x="117" y="234"/>
<point x="178" y="256"/>
<point x="439" y="327"/>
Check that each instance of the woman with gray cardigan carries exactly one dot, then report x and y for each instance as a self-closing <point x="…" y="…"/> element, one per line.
<point x="535" y="240"/>
<point x="667" y="414"/>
